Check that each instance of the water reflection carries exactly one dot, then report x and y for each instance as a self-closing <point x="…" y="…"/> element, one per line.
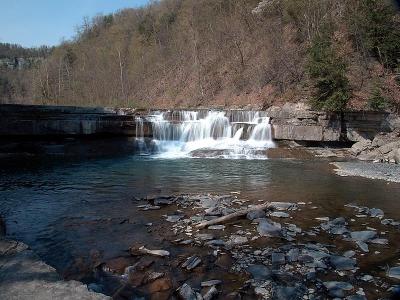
<point x="65" y="209"/>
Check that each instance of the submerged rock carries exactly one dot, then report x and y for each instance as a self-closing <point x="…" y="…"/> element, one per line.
<point x="269" y="228"/>
<point x="363" y="246"/>
<point x="293" y="255"/>
<point x="211" y="283"/>
<point x="191" y="263"/>
<point x="236" y="240"/>
<point x="185" y="292"/>
<point x="342" y="263"/>
<point x="284" y="206"/>
<point x="279" y="214"/>
<point x="216" y="227"/>
<point x="174" y="218"/>
<point x="143" y="250"/>
<point x="211" y="294"/>
<point x="362" y="236"/>
<point x="376" y="213"/>
<point x="394" y="272"/>
<point x="259" y="272"/>
<point x="337" y="288"/>
<point x="289" y="292"/>
<point x="255" y="214"/>
<point x="278" y="258"/>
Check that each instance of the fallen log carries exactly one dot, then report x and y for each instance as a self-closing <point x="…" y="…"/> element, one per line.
<point x="235" y="215"/>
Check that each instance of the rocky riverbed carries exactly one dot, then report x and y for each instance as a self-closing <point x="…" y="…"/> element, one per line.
<point x="224" y="247"/>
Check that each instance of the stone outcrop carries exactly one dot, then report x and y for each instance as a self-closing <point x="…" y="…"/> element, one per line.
<point x="292" y="121"/>
<point x="24" y="276"/>
<point x="298" y="122"/>
<point x="39" y="120"/>
<point x="384" y="147"/>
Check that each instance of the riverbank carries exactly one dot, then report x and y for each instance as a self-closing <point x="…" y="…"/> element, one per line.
<point x="24" y="275"/>
<point x="382" y="171"/>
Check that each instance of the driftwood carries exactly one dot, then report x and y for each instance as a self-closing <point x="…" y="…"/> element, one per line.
<point x="235" y="215"/>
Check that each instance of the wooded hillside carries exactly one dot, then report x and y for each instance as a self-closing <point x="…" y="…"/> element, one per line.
<point x="334" y="53"/>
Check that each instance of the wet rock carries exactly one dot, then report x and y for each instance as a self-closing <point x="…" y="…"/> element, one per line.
<point x="269" y="228"/>
<point x="367" y="278"/>
<point x="294" y="228"/>
<point x="259" y="272"/>
<point x="152" y="276"/>
<point x="349" y="253"/>
<point x="362" y="236"/>
<point x="336" y="226"/>
<point x="174" y="218"/>
<point x="394" y="272"/>
<point x="216" y="243"/>
<point x="211" y="294"/>
<point x="210" y="283"/>
<point x="342" y="263"/>
<point x="278" y="258"/>
<point x="376" y="213"/>
<point x="293" y="255"/>
<point x="204" y="236"/>
<point x="185" y="292"/>
<point x="144" y="250"/>
<point x="288" y="292"/>
<point x="363" y="246"/>
<point x="255" y="214"/>
<point x="379" y="241"/>
<point x="191" y="263"/>
<point x="236" y="240"/>
<point x="164" y="200"/>
<point x="356" y="297"/>
<point x="284" y="206"/>
<point x="390" y="222"/>
<point x="149" y="207"/>
<point x="216" y="227"/>
<point x="262" y="293"/>
<point x="337" y="288"/>
<point x="279" y="214"/>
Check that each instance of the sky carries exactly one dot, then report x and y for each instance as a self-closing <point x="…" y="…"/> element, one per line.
<point x="33" y="23"/>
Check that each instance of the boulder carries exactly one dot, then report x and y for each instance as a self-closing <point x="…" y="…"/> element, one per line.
<point x="360" y="146"/>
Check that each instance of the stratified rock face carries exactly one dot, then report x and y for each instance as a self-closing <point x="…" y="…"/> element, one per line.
<point x="298" y="122"/>
<point x="24" y="276"/>
<point x="25" y="120"/>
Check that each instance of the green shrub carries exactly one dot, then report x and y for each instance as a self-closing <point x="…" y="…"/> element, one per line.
<point x="328" y="73"/>
<point x="377" y="101"/>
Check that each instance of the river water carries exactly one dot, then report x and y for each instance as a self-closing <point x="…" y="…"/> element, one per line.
<point x="65" y="209"/>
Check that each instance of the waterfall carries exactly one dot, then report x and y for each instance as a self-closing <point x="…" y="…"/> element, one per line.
<point x="223" y="134"/>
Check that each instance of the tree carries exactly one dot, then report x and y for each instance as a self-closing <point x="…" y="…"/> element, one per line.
<point x="328" y="73"/>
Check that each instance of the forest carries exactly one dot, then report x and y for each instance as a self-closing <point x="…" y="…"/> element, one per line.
<point x="336" y="54"/>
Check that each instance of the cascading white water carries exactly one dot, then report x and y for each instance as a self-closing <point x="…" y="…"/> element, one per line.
<point x="232" y="134"/>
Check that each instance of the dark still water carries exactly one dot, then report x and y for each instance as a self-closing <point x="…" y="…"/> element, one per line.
<point x="66" y="209"/>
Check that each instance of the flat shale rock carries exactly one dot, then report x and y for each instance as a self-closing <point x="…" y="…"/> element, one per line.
<point x="259" y="272"/>
<point x="255" y="214"/>
<point x="269" y="228"/>
<point x="362" y="236"/>
<point x="342" y="263"/>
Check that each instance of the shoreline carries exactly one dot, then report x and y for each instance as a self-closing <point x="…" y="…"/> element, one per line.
<point x="377" y="171"/>
<point x="25" y="276"/>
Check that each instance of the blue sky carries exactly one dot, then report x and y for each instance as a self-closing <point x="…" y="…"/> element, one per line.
<point x="46" y="22"/>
